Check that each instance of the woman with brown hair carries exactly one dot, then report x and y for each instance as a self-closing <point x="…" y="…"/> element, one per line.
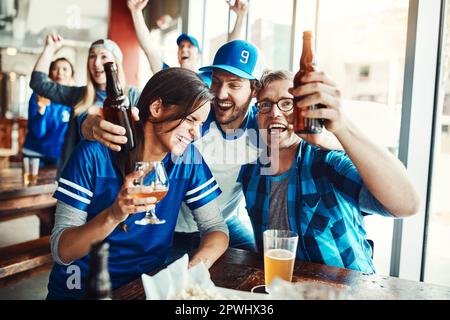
<point x="79" y="98"/>
<point x="47" y="120"/>
<point x="95" y="190"/>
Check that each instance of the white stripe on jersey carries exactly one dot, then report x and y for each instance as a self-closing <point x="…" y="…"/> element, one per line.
<point x="200" y="187"/>
<point x="73" y="195"/>
<point x="76" y="186"/>
<point x="203" y="194"/>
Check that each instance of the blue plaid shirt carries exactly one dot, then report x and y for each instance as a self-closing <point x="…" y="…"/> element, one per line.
<point x="323" y="208"/>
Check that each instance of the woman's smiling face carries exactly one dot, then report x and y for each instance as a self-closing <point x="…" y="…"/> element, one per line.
<point x="98" y="57"/>
<point x="176" y="140"/>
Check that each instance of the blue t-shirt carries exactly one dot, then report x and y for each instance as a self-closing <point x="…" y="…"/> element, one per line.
<point x="46" y="132"/>
<point x="90" y="182"/>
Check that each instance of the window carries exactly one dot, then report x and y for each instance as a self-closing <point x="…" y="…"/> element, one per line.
<point x="361" y="45"/>
<point x="270" y="30"/>
<point x="437" y="255"/>
<point x="215" y="28"/>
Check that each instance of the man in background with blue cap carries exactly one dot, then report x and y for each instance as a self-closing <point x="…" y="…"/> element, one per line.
<point x="189" y="50"/>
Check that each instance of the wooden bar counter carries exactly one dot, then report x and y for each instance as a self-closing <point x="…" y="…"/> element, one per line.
<point x="243" y="270"/>
<point x="19" y="200"/>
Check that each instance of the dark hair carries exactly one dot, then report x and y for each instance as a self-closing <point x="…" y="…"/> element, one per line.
<point x="181" y="90"/>
<point x="52" y="65"/>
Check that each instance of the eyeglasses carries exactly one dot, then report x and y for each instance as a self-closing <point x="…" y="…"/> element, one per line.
<point x="284" y="104"/>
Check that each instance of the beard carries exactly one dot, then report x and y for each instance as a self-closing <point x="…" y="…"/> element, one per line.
<point x="233" y="113"/>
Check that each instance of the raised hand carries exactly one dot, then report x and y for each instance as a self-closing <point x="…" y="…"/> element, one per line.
<point x="239" y="6"/>
<point x="136" y="5"/>
<point x="54" y="41"/>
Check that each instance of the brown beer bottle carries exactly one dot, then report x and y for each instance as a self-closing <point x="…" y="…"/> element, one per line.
<point x="116" y="107"/>
<point x="98" y="284"/>
<point x="307" y="64"/>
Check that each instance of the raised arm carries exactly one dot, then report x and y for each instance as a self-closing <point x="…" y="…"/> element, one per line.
<point x="43" y="86"/>
<point x="382" y="173"/>
<point x="143" y="34"/>
<point x="240" y="7"/>
<point x="53" y="42"/>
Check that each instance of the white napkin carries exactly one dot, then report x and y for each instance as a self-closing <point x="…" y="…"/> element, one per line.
<point x="175" y="278"/>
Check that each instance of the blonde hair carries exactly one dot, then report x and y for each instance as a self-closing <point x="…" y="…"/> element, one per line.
<point x="89" y="96"/>
<point x="270" y="76"/>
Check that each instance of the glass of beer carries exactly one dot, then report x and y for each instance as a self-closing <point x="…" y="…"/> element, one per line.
<point x="30" y="170"/>
<point x="280" y="248"/>
<point x="154" y="183"/>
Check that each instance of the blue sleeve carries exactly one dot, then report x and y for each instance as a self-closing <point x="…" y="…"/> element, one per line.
<point x="75" y="186"/>
<point x="66" y="95"/>
<point x="165" y="65"/>
<point x="343" y="174"/>
<point x="37" y="123"/>
<point x="203" y="187"/>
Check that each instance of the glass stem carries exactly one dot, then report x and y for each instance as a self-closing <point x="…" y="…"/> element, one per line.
<point x="151" y="214"/>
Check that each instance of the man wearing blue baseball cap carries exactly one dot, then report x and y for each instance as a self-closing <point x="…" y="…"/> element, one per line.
<point x="189" y="50"/>
<point x="228" y="141"/>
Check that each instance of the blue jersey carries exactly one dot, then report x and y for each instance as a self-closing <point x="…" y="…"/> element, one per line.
<point x="91" y="182"/>
<point x="46" y="132"/>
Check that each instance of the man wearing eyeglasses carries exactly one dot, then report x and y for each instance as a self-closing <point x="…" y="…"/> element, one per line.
<point x="321" y="194"/>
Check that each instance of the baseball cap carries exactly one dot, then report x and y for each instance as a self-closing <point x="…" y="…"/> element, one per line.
<point x="110" y="46"/>
<point x="191" y="39"/>
<point x="240" y="58"/>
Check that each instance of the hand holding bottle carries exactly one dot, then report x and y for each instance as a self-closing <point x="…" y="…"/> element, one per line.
<point x="96" y="128"/>
<point x="318" y="89"/>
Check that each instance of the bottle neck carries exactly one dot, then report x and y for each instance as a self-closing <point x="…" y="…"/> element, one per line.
<point x="307" y="60"/>
<point x="100" y="261"/>
<point x="113" y="87"/>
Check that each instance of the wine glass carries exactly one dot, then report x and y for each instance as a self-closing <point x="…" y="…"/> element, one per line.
<point x="156" y="183"/>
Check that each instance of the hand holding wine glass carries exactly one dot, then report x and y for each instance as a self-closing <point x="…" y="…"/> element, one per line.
<point x="156" y="184"/>
<point x="126" y="203"/>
